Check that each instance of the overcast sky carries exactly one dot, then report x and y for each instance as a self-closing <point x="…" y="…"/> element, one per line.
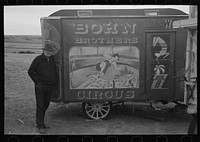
<point x="25" y="20"/>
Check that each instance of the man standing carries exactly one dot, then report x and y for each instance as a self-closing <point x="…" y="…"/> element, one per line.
<point x="43" y="73"/>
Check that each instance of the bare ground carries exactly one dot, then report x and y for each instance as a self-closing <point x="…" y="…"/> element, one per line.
<point x="67" y="119"/>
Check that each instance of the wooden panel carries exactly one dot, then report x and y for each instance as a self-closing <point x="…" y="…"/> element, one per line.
<point x="159" y="65"/>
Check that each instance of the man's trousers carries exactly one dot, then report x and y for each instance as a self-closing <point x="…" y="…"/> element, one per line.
<point x="43" y="97"/>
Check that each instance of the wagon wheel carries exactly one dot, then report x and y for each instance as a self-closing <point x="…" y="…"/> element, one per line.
<point x="97" y="110"/>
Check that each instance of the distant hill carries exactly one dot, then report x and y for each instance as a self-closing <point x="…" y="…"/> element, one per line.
<point x="31" y="39"/>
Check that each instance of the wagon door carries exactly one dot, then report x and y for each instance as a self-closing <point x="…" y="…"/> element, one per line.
<point x="159" y="65"/>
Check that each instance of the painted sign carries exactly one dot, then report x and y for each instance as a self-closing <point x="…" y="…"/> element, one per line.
<point x="163" y="52"/>
<point x="109" y="27"/>
<point x="105" y="40"/>
<point x="104" y="32"/>
<point x="99" y="95"/>
<point x="103" y="55"/>
<point x="104" y="67"/>
<point x="160" y="52"/>
<point x="154" y="23"/>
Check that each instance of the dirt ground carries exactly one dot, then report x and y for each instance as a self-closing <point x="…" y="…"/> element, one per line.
<point x="67" y="119"/>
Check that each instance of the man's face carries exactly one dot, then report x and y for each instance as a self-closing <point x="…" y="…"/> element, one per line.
<point x="47" y="53"/>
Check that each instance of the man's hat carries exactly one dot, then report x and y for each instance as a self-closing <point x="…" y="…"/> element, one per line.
<point x="51" y="46"/>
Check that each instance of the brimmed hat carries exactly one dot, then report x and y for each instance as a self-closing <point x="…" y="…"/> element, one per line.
<point x="51" y="46"/>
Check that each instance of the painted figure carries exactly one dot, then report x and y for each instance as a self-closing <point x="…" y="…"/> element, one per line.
<point x="103" y="66"/>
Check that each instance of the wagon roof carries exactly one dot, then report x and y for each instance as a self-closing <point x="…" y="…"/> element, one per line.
<point x="119" y="12"/>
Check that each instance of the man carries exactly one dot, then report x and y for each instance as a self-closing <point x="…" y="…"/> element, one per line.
<point x="43" y="73"/>
<point x="103" y="66"/>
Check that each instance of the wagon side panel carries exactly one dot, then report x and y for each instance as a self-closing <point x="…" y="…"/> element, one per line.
<point x="51" y="30"/>
<point x="88" y="43"/>
<point x="180" y="58"/>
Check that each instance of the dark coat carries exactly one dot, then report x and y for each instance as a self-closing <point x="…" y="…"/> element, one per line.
<point x="44" y="71"/>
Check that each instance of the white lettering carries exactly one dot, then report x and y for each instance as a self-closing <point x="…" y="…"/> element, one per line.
<point x="130" y="94"/>
<point x="97" y="27"/>
<point x="117" y="40"/>
<point x="118" y="95"/>
<point x="128" y="27"/>
<point x="95" y="95"/>
<point x="81" y="95"/>
<point x="101" y="95"/>
<point x="168" y="23"/>
<point x="81" y="28"/>
<point x="107" y="95"/>
<point x="98" y="95"/>
<point x="109" y="28"/>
